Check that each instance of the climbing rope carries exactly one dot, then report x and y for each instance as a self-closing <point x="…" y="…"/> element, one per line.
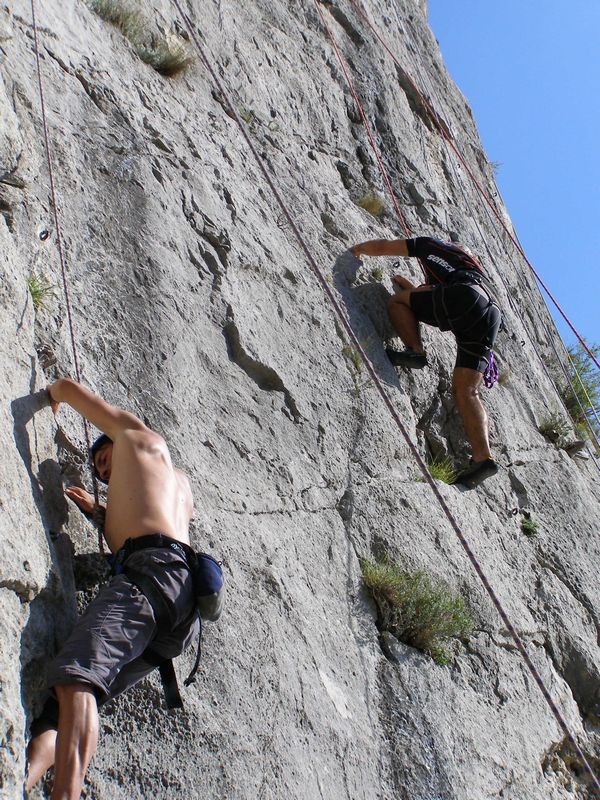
<point x="451" y="144"/>
<point x="61" y="254"/>
<point x="378" y="384"/>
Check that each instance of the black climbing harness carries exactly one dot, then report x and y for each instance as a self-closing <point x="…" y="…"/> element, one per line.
<point x="209" y="597"/>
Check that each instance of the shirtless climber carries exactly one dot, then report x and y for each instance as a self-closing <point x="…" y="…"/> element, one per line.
<point x="148" y="510"/>
<point x="453" y="299"/>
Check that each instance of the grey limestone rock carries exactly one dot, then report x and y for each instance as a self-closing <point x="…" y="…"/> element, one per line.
<point x="195" y="308"/>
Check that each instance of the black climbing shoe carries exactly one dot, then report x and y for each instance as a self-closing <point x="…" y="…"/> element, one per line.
<point x="477" y="472"/>
<point x="407" y="358"/>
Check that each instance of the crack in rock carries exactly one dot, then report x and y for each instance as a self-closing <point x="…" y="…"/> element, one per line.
<point x="424" y="111"/>
<point x="265" y="377"/>
<point x="344" y="22"/>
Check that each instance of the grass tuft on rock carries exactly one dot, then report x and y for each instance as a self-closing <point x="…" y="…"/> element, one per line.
<point x="529" y="526"/>
<point x="373" y="203"/>
<point x="124" y="16"/>
<point x="353" y="356"/>
<point x="168" y="55"/>
<point x="555" y="428"/>
<point x="442" y="469"/>
<point x="41" y="292"/>
<point x="504" y="377"/>
<point x="417" y="609"/>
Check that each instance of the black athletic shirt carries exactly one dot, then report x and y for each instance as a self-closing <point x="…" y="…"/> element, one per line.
<point x="440" y="259"/>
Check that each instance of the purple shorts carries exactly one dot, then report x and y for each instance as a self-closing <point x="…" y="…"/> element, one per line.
<point x="106" y="646"/>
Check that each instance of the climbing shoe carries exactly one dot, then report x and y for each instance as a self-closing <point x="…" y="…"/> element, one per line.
<point x="407" y="358"/>
<point x="477" y="472"/>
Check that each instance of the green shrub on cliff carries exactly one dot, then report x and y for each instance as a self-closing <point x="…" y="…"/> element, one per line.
<point x="442" y="469"/>
<point x="416" y="608"/>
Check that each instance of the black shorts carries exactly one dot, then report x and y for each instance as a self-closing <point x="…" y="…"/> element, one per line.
<point x="468" y="313"/>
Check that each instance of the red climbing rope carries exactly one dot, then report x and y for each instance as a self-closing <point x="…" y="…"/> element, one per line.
<point x="61" y="253"/>
<point x="378" y="384"/>
<point x="446" y="135"/>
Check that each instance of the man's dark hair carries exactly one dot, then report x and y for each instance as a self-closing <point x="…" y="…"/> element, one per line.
<point x="98" y="445"/>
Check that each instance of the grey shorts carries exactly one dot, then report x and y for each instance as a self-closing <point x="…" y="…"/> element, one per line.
<point x="106" y="645"/>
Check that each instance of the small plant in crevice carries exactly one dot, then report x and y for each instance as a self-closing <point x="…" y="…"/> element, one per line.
<point x="372" y="202"/>
<point x="529" y="526"/>
<point x="282" y="222"/>
<point x="248" y="116"/>
<point x="495" y="167"/>
<point x="442" y="469"/>
<point x="120" y="13"/>
<point x="582" y="431"/>
<point x="417" y="609"/>
<point x="555" y="428"/>
<point x="504" y="376"/>
<point x="352" y="355"/>
<point x="41" y="292"/>
<point x="167" y="54"/>
<point x="377" y="274"/>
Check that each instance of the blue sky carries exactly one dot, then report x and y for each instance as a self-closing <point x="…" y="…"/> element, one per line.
<point x="530" y="70"/>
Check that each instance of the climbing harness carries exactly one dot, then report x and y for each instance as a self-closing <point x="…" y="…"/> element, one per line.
<point x="207" y="576"/>
<point x="230" y="110"/>
<point x="62" y="259"/>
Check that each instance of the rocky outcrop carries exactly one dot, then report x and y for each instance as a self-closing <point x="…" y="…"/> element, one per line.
<point x="196" y="309"/>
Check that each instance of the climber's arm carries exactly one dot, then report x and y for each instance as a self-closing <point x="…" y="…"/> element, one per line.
<point x="381" y="247"/>
<point x="109" y="419"/>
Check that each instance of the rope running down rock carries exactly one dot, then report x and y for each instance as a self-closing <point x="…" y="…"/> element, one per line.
<point x="61" y="253"/>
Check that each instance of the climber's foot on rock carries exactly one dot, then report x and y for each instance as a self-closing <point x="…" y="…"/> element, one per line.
<point x="407" y="358"/>
<point x="477" y="472"/>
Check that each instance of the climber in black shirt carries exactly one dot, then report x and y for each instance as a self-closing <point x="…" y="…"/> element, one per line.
<point x="452" y="299"/>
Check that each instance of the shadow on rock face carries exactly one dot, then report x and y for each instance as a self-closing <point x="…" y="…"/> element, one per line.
<point x="46" y="486"/>
<point x="366" y="311"/>
<point x="52" y="612"/>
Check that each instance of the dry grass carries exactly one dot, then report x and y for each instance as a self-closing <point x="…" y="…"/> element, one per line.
<point x="416" y="608"/>
<point x="555" y="428"/>
<point x="168" y="55"/>
<point x="353" y="356"/>
<point x="504" y="376"/>
<point x="373" y="203"/>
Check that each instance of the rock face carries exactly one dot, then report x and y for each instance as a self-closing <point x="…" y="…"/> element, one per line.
<point x="195" y="308"/>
